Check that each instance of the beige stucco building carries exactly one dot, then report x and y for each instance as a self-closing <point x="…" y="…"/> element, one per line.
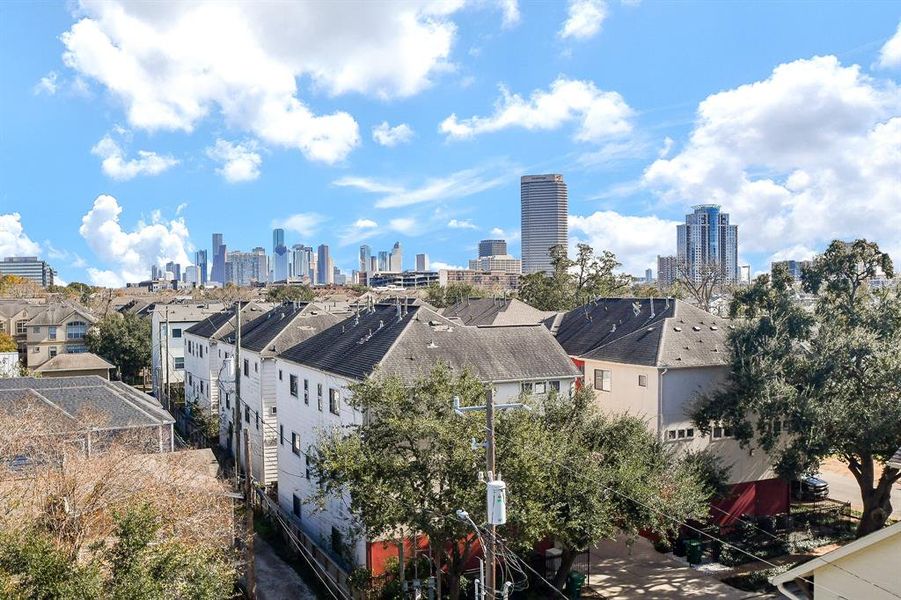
<point x="58" y="329"/>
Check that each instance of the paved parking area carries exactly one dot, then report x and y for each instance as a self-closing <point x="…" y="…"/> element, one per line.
<point x="843" y="486"/>
<point x="623" y="571"/>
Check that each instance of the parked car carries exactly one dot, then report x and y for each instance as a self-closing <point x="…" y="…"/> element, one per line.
<point x="810" y="487"/>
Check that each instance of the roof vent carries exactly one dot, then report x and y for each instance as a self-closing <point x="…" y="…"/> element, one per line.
<point x="695" y="328"/>
<point x="650" y="329"/>
<point x="613" y="329"/>
<point x="713" y="328"/>
<point x="636" y="308"/>
<point x="677" y="328"/>
<point x="432" y="344"/>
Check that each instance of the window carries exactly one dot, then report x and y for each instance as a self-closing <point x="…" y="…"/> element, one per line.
<point x="190" y="379"/>
<point x="75" y="330"/>
<point x="256" y="367"/>
<point x="602" y="380"/>
<point x="273" y="410"/>
<point x="36" y="329"/>
<point x="201" y="351"/>
<point x="176" y="332"/>
<point x="680" y="434"/>
<point x="36" y="350"/>
<point x="246" y="368"/>
<point x="52" y="351"/>
<point x="179" y="362"/>
<point x="337" y="540"/>
<point x="296" y="507"/>
<point x="306" y="391"/>
<point x="228" y="404"/>
<point x="541" y="388"/>
<point x="201" y="386"/>
<point x="281" y="435"/>
<point x="279" y="374"/>
<point x="319" y="394"/>
<point x="190" y="347"/>
<point x="21" y="327"/>
<point x="258" y="421"/>
<point x="307" y="461"/>
<point x="555" y="385"/>
<point x="295" y="443"/>
<point x="79" y="348"/>
<point x="526" y="387"/>
<point x="718" y="432"/>
<point x="334" y="401"/>
<point x="292" y="384"/>
<point x="246" y="414"/>
<point x="51" y="332"/>
<point x="643" y="380"/>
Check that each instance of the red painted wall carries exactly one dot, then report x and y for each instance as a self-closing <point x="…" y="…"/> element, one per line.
<point x="378" y="553"/>
<point x="764" y="497"/>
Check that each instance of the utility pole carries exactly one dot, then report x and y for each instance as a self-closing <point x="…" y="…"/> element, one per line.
<point x="248" y="515"/>
<point x="237" y="415"/>
<point x="168" y="387"/>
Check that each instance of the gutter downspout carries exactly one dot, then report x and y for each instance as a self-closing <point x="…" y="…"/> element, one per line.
<point x="660" y="403"/>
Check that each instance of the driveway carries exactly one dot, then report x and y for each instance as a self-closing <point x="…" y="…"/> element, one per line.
<point x="277" y="580"/>
<point x="843" y="486"/>
<point x="620" y="571"/>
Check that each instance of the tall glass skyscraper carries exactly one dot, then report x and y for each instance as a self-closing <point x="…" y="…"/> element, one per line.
<point x="365" y="256"/>
<point x="200" y="261"/>
<point x="219" y="253"/>
<point x="544" y="220"/>
<point x="708" y="240"/>
<point x="492" y="248"/>
<point x="324" y="266"/>
<point x="279" y="256"/>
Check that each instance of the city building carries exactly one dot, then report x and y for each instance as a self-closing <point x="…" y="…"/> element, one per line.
<point x="246" y="268"/>
<point x="405" y="279"/>
<point x="667" y="270"/>
<point x="396" y="259"/>
<point x="71" y="365"/>
<point x="544" y="220"/>
<point x="220" y="255"/>
<point x="28" y="267"/>
<point x="301" y="262"/>
<point x="794" y="267"/>
<point x="278" y="238"/>
<point x="156" y="273"/>
<point x="501" y="262"/>
<point x="707" y="241"/>
<point x="651" y="358"/>
<point x="383" y="262"/>
<point x="200" y="261"/>
<point x="14" y="317"/>
<point x="175" y="269"/>
<point x="325" y="273"/>
<point x="422" y="262"/>
<point x="491" y="281"/>
<point x="57" y="329"/>
<point x="280" y="263"/>
<point x="404" y="341"/>
<point x="648" y="275"/>
<point x="373" y="264"/>
<point x="365" y="258"/>
<point x="492" y="248"/>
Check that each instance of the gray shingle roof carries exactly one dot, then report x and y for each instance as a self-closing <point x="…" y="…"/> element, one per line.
<point x="220" y="324"/>
<point x="409" y="345"/>
<point x="494" y="311"/>
<point x="83" y="401"/>
<point x="625" y="330"/>
<point x="284" y="326"/>
<point x="55" y="314"/>
<point x="187" y="313"/>
<point x="74" y="362"/>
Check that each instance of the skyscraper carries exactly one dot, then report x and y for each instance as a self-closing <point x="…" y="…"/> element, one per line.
<point x="383" y="261"/>
<point x="373" y="264"/>
<point x="278" y="238"/>
<point x="707" y="240"/>
<point x="261" y="265"/>
<point x="219" y="257"/>
<point x="301" y="260"/>
<point x="544" y="220"/>
<point x="492" y="248"/>
<point x="174" y="268"/>
<point x="667" y="270"/>
<point x="200" y="261"/>
<point x="365" y="255"/>
<point x="422" y="262"/>
<point x="280" y="263"/>
<point x="324" y="266"/>
<point x="396" y="259"/>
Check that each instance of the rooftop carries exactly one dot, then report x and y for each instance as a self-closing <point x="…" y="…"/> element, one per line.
<point x="494" y="311"/>
<point x="221" y="323"/>
<point x="81" y="361"/>
<point x="284" y="326"/>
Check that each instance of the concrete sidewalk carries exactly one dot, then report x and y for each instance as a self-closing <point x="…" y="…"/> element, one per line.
<point x="276" y="579"/>
<point x="621" y="571"/>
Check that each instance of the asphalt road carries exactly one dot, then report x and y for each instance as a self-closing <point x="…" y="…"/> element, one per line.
<point x="843" y="486"/>
<point x="276" y="580"/>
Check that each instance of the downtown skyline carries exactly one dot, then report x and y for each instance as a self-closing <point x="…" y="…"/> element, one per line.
<point x="432" y="151"/>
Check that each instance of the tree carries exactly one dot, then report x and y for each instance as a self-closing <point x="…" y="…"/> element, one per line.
<point x="7" y="343"/>
<point x="289" y="293"/>
<point x="573" y="282"/>
<point x="14" y="286"/>
<point x="809" y="385"/>
<point x="700" y="283"/>
<point x="123" y="340"/>
<point x="443" y="296"/>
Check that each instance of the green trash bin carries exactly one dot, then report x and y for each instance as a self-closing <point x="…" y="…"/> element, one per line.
<point x="574" y="583"/>
<point x="694" y="550"/>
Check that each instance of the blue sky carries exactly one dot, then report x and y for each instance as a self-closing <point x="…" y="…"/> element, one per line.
<point x="131" y="132"/>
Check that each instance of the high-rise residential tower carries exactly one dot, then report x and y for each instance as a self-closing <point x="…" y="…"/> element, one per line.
<point x="200" y="261"/>
<point x="302" y="259"/>
<point x="544" y="220"/>
<point x="219" y="257"/>
<point x="396" y="259"/>
<point x="324" y="266"/>
<point x="707" y="240"/>
<point x="667" y="270"/>
<point x="365" y="255"/>
<point x="492" y="248"/>
<point x="422" y="262"/>
<point x="383" y="261"/>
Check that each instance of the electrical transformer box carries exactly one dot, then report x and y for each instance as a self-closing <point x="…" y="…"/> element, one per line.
<point x="497" y="502"/>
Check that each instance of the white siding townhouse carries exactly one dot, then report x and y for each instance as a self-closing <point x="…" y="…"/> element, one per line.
<point x="262" y="339"/>
<point x="168" y="324"/>
<point x="314" y="376"/>
<point x="651" y="359"/>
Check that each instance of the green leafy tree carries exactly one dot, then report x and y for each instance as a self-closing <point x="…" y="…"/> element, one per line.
<point x="810" y="385"/>
<point x="442" y="296"/>
<point x="7" y="343"/>
<point x="573" y="282"/>
<point x="123" y="340"/>
<point x="289" y="293"/>
<point x="33" y="567"/>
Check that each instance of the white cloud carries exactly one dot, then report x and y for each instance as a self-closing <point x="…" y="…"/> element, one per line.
<point x="131" y="253"/>
<point x="437" y="265"/>
<point x="810" y="154"/>
<point x="461" y="224"/>
<point x="240" y="161"/>
<point x="404" y="225"/>
<point x="48" y="84"/>
<point x="172" y="65"/>
<point x="456" y="185"/>
<point x="13" y="240"/>
<point x="635" y="240"/>
<point x="510" y="11"/>
<point x="365" y="224"/>
<point x="599" y="114"/>
<point x="890" y="54"/>
<point x="356" y="232"/>
<point x="115" y="164"/>
<point x="583" y="19"/>
<point x="386" y="135"/>
<point x="509" y="235"/>
<point x="306" y="224"/>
